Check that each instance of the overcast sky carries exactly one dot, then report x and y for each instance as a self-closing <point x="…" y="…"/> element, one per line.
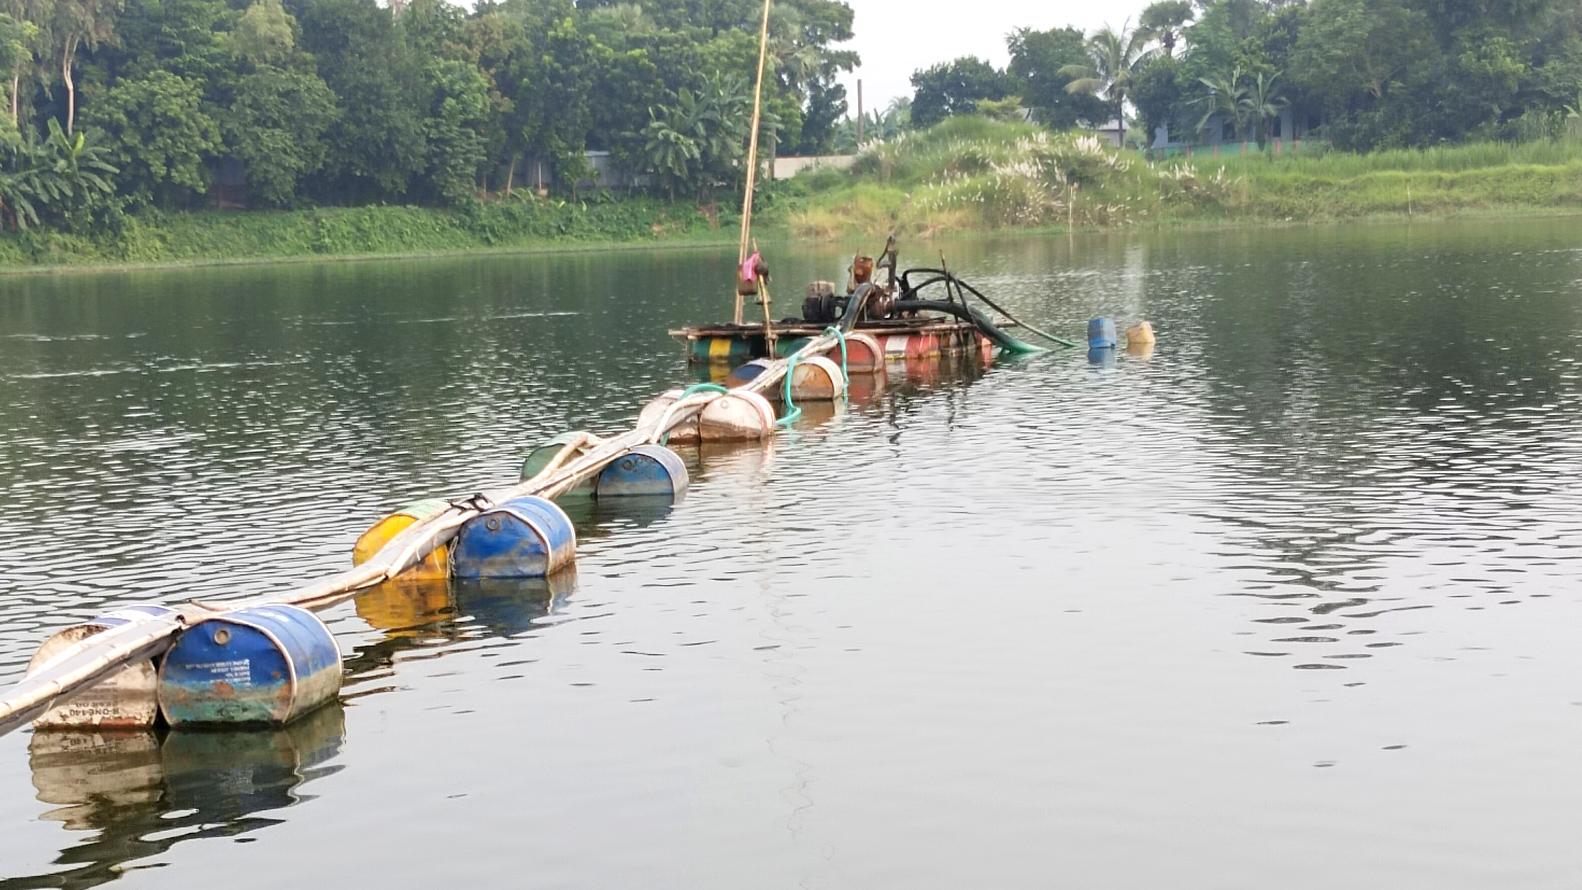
<point x="897" y="37"/>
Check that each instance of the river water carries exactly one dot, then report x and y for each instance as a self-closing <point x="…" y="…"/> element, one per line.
<point x="1291" y="601"/>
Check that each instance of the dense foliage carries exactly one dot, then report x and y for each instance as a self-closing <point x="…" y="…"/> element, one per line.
<point x="284" y="103"/>
<point x="1368" y="73"/>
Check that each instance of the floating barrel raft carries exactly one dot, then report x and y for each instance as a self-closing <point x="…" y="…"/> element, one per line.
<point x="435" y="565"/>
<point x="645" y="471"/>
<point x="733" y="344"/>
<point x="127" y="699"/>
<point x="577" y="443"/>
<point x="740" y="415"/>
<point x="269" y="660"/>
<point x="526" y="537"/>
<point x="816" y="378"/>
<point x="264" y="664"/>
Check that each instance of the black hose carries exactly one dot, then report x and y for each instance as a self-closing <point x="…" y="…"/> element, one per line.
<point x="943" y="275"/>
<point x="978" y="320"/>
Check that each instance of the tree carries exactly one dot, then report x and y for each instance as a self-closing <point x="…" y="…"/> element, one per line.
<point x="378" y="142"/>
<point x="1163" y="21"/>
<point x="79" y="23"/>
<point x="1226" y="99"/>
<point x="1263" y="102"/>
<point x="457" y="114"/>
<point x="1040" y="66"/>
<point x="156" y="132"/>
<point x="672" y="154"/>
<point x="35" y="17"/>
<point x="954" y="88"/>
<point x="1114" y="59"/>
<point x="1350" y="49"/>
<point x="264" y="34"/>
<point x="52" y="179"/>
<point x="275" y="126"/>
<point x="1157" y="93"/>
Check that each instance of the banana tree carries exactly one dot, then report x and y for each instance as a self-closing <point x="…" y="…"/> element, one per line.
<point x="1227" y="98"/>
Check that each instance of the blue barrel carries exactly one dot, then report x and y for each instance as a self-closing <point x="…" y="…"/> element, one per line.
<point x="644" y="471"/>
<point x="265" y="664"/>
<point x="747" y="373"/>
<point x="1101" y="333"/>
<point x="527" y="537"/>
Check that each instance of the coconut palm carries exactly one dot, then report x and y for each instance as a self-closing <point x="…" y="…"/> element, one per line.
<point x="1114" y="59"/>
<point x="1163" y="22"/>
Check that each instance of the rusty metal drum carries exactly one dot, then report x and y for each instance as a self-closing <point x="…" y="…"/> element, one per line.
<point x="127" y="699"/>
<point x="644" y="471"/>
<point x="864" y="355"/>
<point x="259" y="665"/>
<point x="527" y="537"/>
<point x="817" y="378"/>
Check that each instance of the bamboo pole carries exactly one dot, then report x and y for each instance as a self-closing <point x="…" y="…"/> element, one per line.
<point x="752" y="156"/>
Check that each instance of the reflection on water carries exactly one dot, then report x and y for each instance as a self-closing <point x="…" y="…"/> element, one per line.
<point x="140" y="793"/>
<point x="975" y="622"/>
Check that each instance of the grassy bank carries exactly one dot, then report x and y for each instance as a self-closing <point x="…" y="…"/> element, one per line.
<point x="214" y="236"/>
<point x="967" y="175"/>
<point x="973" y="174"/>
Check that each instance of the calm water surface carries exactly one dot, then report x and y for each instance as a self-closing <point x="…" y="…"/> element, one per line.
<point x="1291" y="602"/>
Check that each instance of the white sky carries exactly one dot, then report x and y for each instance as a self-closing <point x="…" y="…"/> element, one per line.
<point x="897" y="37"/>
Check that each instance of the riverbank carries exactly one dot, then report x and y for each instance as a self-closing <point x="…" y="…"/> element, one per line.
<point x="965" y="177"/>
<point x="972" y="174"/>
<point x="219" y="237"/>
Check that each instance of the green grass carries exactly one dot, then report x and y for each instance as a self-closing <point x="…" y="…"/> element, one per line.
<point x="528" y="224"/>
<point x="978" y="174"/>
<point x="967" y="174"/>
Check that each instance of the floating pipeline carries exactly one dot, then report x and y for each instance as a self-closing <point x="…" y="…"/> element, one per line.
<point x="410" y="538"/>
<point x="417" y="541"/>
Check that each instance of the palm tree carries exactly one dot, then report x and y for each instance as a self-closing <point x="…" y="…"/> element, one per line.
<point x="1262" y="102"/>
<point x="1115" y="57"/>
<point x="1163" y="22"/>
<point x="1227" y="97"/>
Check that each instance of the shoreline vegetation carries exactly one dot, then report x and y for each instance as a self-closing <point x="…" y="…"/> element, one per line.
<point x="966" y="176"/>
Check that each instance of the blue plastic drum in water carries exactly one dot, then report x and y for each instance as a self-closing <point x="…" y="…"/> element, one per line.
<point x="1101" y="333"/>
<point x="265" y="664"/>
<point x="528" y="537"/>
<point x="644" y="471"/>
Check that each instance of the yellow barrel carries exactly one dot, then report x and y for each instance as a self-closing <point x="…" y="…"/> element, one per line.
<point x="434" y="566"/>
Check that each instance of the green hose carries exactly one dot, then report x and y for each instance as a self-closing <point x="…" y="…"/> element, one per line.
<point x="792" y="411"/>
<point x="694" y="388"/>
<point x="841" y="336"/>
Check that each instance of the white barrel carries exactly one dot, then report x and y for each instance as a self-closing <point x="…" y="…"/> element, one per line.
<point x="736" y="416"/>
<point x="686" y="432"/>
<point x="127" y="699"/>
